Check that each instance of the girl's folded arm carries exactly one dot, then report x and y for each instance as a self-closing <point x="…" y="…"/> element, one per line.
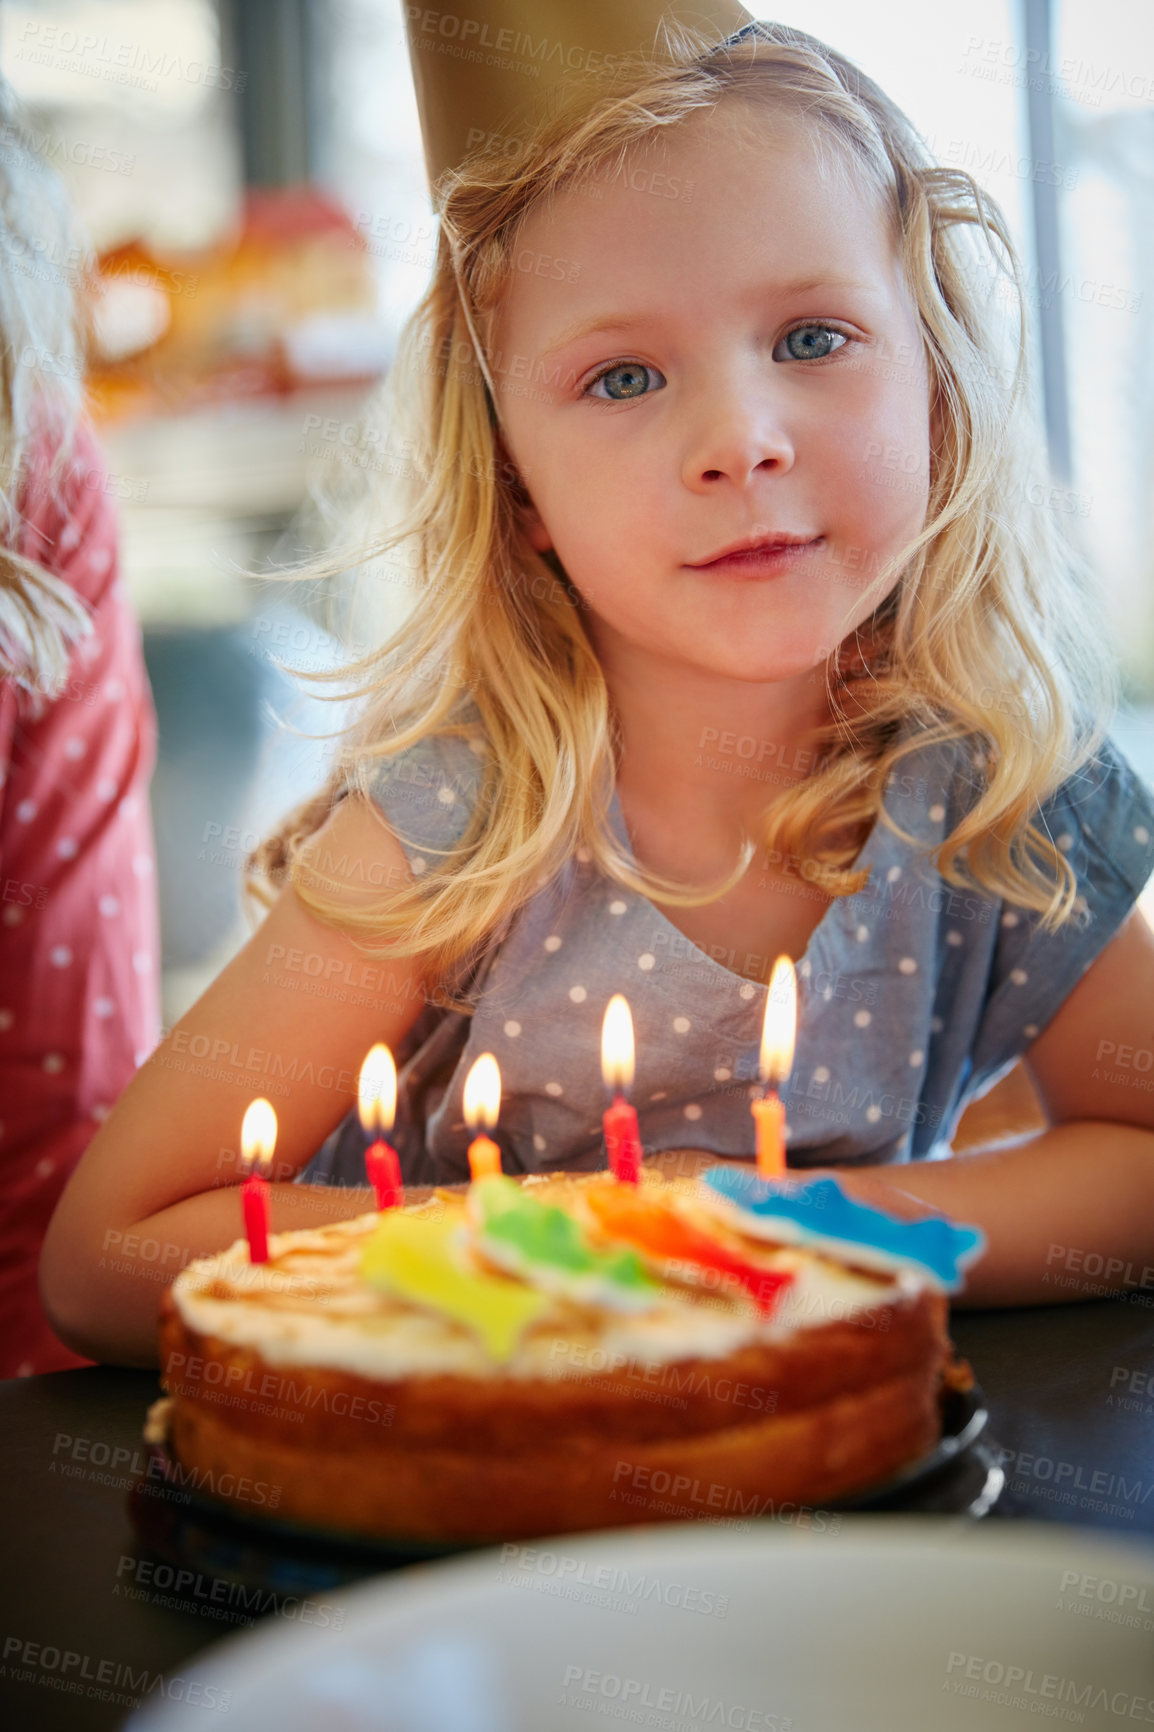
<point x="157" y="1185"/>
<point x="1068" y="1212"/>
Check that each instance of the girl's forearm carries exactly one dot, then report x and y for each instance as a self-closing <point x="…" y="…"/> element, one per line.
<point x="115" y="1290"/>
<point x="1068" y="1213"/>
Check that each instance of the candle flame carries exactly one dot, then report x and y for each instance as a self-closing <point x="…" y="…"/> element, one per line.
<point x="780" y="1028"/>
<point x="483" y="1094"/>
<point x="617" y="1045"/>
<point x="258" y="1134"/>
<point x="377" y="1091"/>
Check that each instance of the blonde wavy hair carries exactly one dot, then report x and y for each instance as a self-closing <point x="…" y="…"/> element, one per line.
<point x="990" y="599"/>
<point x="43" y="337"/>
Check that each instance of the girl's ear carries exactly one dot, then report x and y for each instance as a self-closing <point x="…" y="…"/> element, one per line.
<point x="529" y="517"/>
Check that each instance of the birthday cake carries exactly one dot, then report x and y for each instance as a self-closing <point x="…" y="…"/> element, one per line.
<point x="567" y="1354"/>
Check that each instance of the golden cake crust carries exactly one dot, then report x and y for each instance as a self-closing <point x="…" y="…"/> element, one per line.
<point x="763" y="1467"/>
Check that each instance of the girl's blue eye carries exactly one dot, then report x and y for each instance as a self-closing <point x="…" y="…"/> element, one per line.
<point x="813" y="342"/>
<point x="633" y="373"/>
<point x="806" y="343"/>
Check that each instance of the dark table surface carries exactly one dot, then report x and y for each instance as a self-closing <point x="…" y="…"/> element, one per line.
<point x="91" y="1624"/>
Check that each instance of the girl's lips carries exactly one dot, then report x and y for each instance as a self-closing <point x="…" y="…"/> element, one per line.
<point x="762" y="561"/>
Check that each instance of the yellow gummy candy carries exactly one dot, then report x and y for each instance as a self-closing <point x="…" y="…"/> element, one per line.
<point x="414" y="1258"/>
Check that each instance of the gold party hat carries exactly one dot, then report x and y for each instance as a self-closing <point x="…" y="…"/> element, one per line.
<point x="481" y="76"/>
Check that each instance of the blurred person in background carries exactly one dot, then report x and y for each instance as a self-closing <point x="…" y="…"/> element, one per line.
<point x="79" y="930"/>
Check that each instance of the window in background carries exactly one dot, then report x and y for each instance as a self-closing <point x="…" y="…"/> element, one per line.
<point x="369" y="146"/>
<point x="135" y="101"/>
<point x="1103" y="76"/>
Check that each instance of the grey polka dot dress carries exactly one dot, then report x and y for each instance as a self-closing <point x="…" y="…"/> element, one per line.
<point x="913" y="997"/>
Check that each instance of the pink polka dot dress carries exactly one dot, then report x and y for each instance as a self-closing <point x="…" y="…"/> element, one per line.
<point x="79" y="931"/>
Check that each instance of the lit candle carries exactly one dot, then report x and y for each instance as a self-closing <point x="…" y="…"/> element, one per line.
<point x="777" y="1038"/>
<point x="257" y="1142"/>
<point x="482" y="1104"/>
<point x="622" y="1133"/>
<point x="377" y="1106"/>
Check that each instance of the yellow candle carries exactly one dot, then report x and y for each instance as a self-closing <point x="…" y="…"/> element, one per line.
<point x="769" y="1118"/>
<point x="776" y="1062"/>
<point x="484" y="1158"/>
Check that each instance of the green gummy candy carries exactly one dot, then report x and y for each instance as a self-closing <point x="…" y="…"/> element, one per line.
<point x="539" y="1233"/>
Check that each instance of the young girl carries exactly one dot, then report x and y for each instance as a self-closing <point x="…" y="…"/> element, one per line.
<point x="606" y="752"/>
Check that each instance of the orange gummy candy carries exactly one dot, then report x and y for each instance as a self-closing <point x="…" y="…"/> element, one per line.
<point x="656" y="1229"/>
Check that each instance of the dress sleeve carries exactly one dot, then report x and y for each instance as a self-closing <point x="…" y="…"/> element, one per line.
<point x="1102" y="819"/>
<point x="79" y="932"/>
<point x="428" y="793"/>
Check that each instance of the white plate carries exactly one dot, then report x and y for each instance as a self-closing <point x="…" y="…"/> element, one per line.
<point x="860" y="1624"/>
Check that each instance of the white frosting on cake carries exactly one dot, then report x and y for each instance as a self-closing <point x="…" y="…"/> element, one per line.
<point x="309" y="1306"/>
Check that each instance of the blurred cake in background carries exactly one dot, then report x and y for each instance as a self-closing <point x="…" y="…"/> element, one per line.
<point x="287" y="300"/>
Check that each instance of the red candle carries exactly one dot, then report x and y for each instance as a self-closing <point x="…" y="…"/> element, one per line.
<point x="257" y="1142"/>
<point x="622" y="1132"/>
<point x="383" y="1165"/>
<point x="377" y="1106"/>
<point x="482" y="1105"/>
<point x="777" y="1040"/>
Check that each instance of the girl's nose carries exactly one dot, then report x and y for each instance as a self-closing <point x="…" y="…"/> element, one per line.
<point x="739" y="428"/>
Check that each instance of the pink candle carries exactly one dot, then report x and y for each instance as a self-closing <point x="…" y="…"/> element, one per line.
<point x="623" y="1141"/>
<point x="254" y="1202"/>
<point x="257" y="1142"/>
<point x="622" y="1132"/>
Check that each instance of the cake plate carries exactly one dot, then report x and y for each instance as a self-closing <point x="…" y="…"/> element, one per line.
<point x="961" y="1477"/>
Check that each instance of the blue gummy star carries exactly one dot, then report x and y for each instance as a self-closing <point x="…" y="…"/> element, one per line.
<point x="819" y="1213"/>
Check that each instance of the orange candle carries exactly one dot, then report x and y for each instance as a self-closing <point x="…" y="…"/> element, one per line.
<point x="777" y="1041"/>
<point x="769" y="1118"/>
<point x="482" y="1105"/>
<point x="484" y="1158"/>
<point x="377" y="1107"/>
<point x="257" y="1142"/>
<point x="622" y="1132"/>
